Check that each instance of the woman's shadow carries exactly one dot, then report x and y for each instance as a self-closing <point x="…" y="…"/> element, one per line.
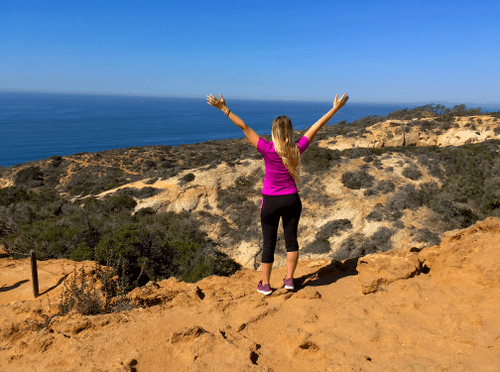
<point x="328" y="274"/>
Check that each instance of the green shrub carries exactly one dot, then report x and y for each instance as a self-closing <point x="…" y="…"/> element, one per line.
<point x="382" y="238"/>
<point x="386" y="186"/>
<point x="318" y="159"/>
<point x="82" y="253"/>
<point x="407" y="197"/>
<point x="426" y="236"/>
<point x="356" y="245"/>
<point x="81" y="294"/>
<point x="13" y="195"/>
<point x="143" y="193"/>
<point x="188" y="177"/>
<point x="241" y="181"/>
<point x="412" y="173"/>
<point x="381" y="213"/>
<point x="370" y="192"/>
<point x="333" y="228"/>
<point x="29" y="177"/>
<point x="56" y="160"/>
<point x="357" y="180"/>
<point x="148" y="164"/>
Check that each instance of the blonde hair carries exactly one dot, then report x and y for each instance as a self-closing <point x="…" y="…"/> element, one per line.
<point x="282" y="137"/>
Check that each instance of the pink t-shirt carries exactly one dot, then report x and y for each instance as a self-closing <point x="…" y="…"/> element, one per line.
<point x="277" y="180"/>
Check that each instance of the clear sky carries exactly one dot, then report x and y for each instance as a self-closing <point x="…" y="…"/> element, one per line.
<point x="377" y="51"/>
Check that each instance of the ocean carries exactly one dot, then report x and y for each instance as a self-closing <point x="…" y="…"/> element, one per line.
<point x="36" y="126"/>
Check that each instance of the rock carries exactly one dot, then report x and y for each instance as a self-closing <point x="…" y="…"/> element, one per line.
<point x="308" y="293"/>
<point x="395" y="137"/>
<point x="393" y="133"/>
<point x="187" y="201"/>
<point x="378" y="269"/>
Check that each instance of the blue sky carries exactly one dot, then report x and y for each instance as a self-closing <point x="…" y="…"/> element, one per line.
<point x="377" y="51"/>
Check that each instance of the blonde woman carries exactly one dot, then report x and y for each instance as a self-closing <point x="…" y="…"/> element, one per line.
<point x="280" y="194"/>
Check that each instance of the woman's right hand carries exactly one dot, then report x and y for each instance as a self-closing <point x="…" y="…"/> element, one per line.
<point x="218" y="103"/>
<point x="339" y="103"/>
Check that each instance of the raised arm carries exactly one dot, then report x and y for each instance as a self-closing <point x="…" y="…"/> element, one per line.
<point x="337" y="105"/>
<point x="221" y="105"/>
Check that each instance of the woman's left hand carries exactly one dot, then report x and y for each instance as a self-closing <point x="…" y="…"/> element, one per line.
<point x="218" y="103"/>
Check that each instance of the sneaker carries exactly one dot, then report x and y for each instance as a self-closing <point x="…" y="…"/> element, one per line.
<point x="288" y="284"/>
<point x="264" y="288"/>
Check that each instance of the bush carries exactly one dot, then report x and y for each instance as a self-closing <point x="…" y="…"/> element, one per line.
<point x="412" y="173"/>
<point x="377" y="163"/>
<point x="370" y="192"/>
<point x="188" y="177"/>
<point x="491" y="199"/>
<point x="426" y="236"/>
<point x="148" y="164"/>
<point x="241" y="181"/>
<point x="357" y="180"/>
<point x="436" y="171"/>
<point x="119" y="203"/>
<point x="140" y="248"/>
<point x="445" y="126"/>
<point x="56" y="160"/>
<point x="386" y="186"/>
<point x="13" y="195"/>
<point x="80" y="293"/>
<point x="378" y="214"/>
<point x="318" y="159"/>
<point x="143" y="193"/>
<point x="382" y="239"/>
<point x="381" y="213"/>
<point x="407" y="197"/>
<point x="359" y="152"/>
<point x="80" y="183"/>
<point x="29" y="177"/>
<point x="356" y="245"/>
<point x="333" y="228"/>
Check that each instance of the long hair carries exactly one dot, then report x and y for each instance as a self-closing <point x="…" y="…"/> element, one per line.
<point x="282" y="137"/>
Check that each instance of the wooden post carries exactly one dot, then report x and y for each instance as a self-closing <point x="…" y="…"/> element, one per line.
<point x="34" y="274"/>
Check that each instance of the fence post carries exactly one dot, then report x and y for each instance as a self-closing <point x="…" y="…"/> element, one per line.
<point x="34" y="274"/>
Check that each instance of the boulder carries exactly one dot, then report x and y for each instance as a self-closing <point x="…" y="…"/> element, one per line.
<point x="377" y="269"/>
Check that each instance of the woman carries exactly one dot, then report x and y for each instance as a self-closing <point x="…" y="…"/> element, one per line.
<point x="280" y="193"/>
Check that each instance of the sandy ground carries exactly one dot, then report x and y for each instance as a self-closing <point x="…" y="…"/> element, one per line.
<point x="445" y="319"/>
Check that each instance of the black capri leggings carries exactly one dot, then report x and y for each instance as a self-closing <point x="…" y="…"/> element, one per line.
<point x="288" y="207"/>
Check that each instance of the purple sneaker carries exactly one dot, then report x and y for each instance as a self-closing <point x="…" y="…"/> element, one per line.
<point x="288" y="284"/>
<point x="264" y="288"/>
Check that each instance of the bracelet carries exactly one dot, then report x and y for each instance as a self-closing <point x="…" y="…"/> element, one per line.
<point x="227" y="112"/>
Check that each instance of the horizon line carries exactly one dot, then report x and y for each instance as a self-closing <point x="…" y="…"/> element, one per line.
<point x="487" y="100"/>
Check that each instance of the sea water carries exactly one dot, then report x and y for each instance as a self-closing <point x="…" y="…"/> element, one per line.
<point x="38" y="125"/>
